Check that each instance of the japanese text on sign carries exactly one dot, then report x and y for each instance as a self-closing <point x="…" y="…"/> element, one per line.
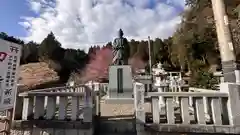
<point x="9" y="63"/>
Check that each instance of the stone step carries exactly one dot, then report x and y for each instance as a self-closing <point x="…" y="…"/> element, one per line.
<point x="118" y="127"/>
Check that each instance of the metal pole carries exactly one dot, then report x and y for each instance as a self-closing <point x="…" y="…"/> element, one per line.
<point x="225" y="41"/>
<point x="150" y="64"/>
<point x="149" y="55"/>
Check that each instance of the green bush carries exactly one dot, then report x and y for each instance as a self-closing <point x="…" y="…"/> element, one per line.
<point x="204" y="79"/>
<point x="201" y="77"/>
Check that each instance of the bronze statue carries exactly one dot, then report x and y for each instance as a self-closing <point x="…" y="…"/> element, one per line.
<point x="121" y="50"/>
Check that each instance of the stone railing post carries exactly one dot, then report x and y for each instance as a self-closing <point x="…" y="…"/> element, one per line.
<point x="139" y="107"/>
<point x="233" y="102"/>
<point x="163" y="85"/>
<point x="99" y="90"/>
<point x="18" y="107"/>
<point x="88" y="105"/>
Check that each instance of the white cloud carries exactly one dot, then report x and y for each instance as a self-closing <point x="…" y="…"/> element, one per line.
<point x="35" y="6"/>
<point x="81" y="23"/>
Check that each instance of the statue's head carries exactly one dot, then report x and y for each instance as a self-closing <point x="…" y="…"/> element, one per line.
<point x="120" y="33"/>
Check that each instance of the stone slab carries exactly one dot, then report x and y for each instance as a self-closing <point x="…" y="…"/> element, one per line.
<point x="200" y="129"/>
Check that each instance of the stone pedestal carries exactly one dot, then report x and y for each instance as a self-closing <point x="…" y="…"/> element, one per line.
<point x="120" y="85"/>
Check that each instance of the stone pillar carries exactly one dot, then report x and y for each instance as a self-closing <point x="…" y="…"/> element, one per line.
<point x="139" y="108"/>
<point x="237" y="74"/>
<point x="225" y="42"/>
<point x="161" y="99"/>
<point x="230" y="68"/>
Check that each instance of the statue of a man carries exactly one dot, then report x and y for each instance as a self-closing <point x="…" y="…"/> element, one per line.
<point x="121" y="50"/>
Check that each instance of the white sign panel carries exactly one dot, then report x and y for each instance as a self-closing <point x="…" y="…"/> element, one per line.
<point x="9" y="63"/>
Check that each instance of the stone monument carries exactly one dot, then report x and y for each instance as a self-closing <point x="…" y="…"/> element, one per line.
<point x="120" y="73"/>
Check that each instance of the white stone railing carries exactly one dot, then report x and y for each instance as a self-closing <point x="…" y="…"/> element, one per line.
<point x="60" y="109"/>
<point x="193" y="89"/>
<point x="56" y="95"/>
<point x="99" y="86"/>
<point x="147" y="79"/>
<point x="60" y="103"/>
<point x="191" y="113"/>
<point x="198" y="104"/>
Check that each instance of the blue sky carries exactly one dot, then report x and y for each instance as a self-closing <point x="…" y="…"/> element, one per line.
<point x="10" y="13"/>
<point x="155" y="18"/>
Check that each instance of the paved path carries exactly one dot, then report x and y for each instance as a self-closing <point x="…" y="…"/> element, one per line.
<point x="114" y="110"/>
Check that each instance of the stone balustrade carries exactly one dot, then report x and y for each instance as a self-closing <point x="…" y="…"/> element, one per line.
<point x="189" y="114"/>
<point x="70" y="109"/>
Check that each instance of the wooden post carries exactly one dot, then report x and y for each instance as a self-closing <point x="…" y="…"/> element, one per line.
<point x="150" y="56"/>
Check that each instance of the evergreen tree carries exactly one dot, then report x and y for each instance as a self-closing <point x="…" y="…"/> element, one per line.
<point x="50" y="48"/>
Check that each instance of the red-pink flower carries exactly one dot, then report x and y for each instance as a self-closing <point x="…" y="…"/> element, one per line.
<point x="97" y="68"/>
<point x="100" y="60"/>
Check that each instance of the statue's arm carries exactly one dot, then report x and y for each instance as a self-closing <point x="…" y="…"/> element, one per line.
<point x="114" y="44"/>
